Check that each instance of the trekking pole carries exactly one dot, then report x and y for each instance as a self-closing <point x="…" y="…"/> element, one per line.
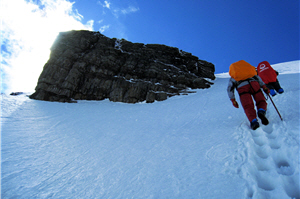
<point x="275" y="107"/>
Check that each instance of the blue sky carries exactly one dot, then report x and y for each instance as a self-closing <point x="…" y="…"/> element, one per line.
<point x="217" y="31"/>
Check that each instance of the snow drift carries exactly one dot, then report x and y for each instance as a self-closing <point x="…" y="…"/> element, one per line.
<point x="189" y="146"/>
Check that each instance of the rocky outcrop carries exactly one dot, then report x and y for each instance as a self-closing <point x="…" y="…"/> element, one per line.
<point x="87" y="65"/>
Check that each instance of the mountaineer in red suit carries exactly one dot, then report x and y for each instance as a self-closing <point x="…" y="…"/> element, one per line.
<point x="269" y="77"/>
<point x="248" y="84"/>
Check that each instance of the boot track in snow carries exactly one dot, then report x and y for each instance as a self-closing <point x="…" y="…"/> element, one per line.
<point x="266" y="160"/>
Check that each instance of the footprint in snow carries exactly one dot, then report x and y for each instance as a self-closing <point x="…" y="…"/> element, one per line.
<point x="265" y="181"/>
<point x="260" y="140"/>
<point x="262" y="151"/>
<point x="268" y="128"/>
<point x="284" y="168"/>
<point x="291" y="186"/>
<point x="256" y="133"/>
<point x="271" y="158"/>
<point x="262" y="165"/>
<point x="274" y="144"/>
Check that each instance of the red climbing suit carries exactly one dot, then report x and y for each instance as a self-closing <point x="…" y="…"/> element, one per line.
<point x="245" y="92"/>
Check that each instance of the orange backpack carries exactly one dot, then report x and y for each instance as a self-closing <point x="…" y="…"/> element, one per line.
<point x="241" y="70"/>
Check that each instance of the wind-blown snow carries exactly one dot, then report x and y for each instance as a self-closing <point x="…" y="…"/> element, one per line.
<point x="189" y="146"/>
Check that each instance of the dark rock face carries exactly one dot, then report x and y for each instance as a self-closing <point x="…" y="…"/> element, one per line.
<point x="86" y="65"/>
<point x="16" y="93"/>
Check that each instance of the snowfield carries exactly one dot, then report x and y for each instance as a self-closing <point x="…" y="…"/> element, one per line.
<point x="189" y="146"/>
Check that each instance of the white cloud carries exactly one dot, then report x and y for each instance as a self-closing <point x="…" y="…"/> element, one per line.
<point x="106" y="4"/>
<point x="124" y="11"/>
<point x="89" y="25"/>
<point x="130" y="9"/>
<point x="103" y="28"/>
<point x="28" y="31"/>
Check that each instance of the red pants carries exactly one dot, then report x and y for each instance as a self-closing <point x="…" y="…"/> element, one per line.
<point x="246" y="93"/>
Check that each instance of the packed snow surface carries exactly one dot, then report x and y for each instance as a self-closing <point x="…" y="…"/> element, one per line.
<point x="189" y="146"/>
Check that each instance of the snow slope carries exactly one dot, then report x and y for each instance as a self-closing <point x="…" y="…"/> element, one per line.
<point x="189" y="146"/>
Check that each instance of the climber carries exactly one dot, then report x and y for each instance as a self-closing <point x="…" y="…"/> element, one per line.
<point x="269" y="77"/>
<point x="248" y="84"/>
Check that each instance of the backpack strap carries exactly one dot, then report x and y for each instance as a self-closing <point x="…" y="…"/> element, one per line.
<point x="249" y="80"/>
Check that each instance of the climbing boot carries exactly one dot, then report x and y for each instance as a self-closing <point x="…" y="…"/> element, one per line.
<point x="254" y="124"/>
<point x="262" y="115"/>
